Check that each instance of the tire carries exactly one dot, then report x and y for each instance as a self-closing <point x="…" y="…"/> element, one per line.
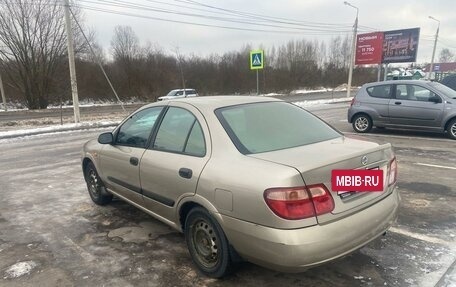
<point x="95" y="186"/>
<point x="208" y="246"/>
<point x="451" y="129"/>
<point x="362" y="123"/>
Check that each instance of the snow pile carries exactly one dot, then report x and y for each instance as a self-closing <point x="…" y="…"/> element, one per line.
<point x="272" y="95"/>
<point x="321" y="102"/>
<point x="322" y="90"/>
<point x="19" y="269"/>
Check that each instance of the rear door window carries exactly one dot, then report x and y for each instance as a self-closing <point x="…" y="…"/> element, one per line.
<point x="180" y="132"/>
<point x="383" y="91"/>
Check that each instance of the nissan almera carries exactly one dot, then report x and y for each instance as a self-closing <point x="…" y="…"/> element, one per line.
<point x="244" y="178"/>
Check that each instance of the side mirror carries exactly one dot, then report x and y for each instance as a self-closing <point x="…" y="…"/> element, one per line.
<point x="106" y="138"/>
<point x="435" y="99"/>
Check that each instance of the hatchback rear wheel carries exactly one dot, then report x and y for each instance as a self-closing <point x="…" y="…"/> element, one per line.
<point x="362" y="123"/>
<point x="451" y="129"/>
<point x="208" y="246"/>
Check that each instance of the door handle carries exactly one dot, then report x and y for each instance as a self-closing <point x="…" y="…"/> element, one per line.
<point x="134" y="160"/>
<point x="185" y="173"/>
<point x="397" y="103"/>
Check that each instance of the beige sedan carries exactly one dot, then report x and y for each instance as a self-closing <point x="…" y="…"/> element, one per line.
<point x="245" y="178"/>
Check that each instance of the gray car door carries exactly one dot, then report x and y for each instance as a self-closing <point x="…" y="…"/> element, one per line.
<point x="171" y="166"/>
<point x="377" y="101"/>
<point x="411" y="107"/>
<point x="120" y="161"/>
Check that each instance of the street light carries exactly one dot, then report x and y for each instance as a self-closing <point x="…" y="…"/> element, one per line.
<point x="431" y="67"/>
<point x="352" y="56"/>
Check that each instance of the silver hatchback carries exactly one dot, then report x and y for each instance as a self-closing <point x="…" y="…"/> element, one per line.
<point x="405" y="104"/>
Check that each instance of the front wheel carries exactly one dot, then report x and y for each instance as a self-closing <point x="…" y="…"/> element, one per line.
<point x="208" y="246"/>
<point x="451" y="129"/>
<point x="95" y="186"/>
<point x="362" y="123"/>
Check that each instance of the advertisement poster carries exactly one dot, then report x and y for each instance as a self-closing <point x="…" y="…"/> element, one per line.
<point x="369" y="48"/>
<point x="400" y="46"/>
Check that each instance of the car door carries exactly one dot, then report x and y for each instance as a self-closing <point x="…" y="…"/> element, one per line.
<point x="120" y="161"/>
<point x="171" y="166"/>
<point x="412" y="106"/>
<point x="377" y="103"/>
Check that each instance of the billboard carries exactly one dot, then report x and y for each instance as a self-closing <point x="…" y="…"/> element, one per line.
<point x="400" y="45"/>
<point x="369" y="48"/>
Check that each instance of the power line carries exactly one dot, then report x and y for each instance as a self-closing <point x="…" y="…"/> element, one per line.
<point x="445" y="44"/>
<point x="259" y="16"/>
<point x="97" y="59"/>
<point x="123" y="4"/>
<point x="304" y="29"/>
<point x="203" y="24"/>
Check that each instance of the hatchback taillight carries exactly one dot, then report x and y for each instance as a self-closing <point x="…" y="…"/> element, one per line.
<point x="352" y="101"/>
<point x="392" y="176"/>
<point x="299" y="202"/>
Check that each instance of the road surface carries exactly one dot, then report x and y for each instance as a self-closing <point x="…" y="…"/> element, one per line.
<point x="51" y="234"/>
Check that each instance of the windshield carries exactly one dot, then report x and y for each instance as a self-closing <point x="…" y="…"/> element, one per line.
<point x="172" y="93"/>
<point x="263" y="127"/>
<point x="449" y="92"/>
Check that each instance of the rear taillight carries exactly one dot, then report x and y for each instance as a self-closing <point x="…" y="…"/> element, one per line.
<point x="352" y="102"/>
<point x="392" y="176"/>
<point x="299" y="202"/>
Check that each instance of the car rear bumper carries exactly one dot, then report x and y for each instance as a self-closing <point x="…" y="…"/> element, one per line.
<point x="299" y="249"/>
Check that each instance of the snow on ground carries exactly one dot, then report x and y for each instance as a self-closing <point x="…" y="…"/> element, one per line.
<point x="19" y="107"/>
<point x="19" y="269"/>
<point x="322" y="90"/>
<point x="322" y="102"/>
<point x="56" y="128"/>
<point x="94" y="123"/>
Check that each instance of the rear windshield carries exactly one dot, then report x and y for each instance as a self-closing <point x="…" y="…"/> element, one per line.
<point x="263" y="127"/>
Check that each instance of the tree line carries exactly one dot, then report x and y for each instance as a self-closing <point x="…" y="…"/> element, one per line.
<point x="34" y="64"/>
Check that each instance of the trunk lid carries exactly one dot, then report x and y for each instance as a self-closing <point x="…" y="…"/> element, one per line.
<point x="316" y="161"/>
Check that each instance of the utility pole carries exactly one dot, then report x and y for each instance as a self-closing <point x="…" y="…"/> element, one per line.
<point x="74" y="84"/>
<point x="179" y="60"/>
<point x="431" y="67"/>
<point x="2" y="90"/>
<point x="353" y="48"/>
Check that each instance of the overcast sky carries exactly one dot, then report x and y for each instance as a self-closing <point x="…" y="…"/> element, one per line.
<point x="382" y="15"/>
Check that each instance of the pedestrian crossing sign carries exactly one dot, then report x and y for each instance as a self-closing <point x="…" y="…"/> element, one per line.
<point x="256" y="59"/>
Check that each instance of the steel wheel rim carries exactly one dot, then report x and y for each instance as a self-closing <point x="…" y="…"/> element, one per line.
<point x="94" y="185"/>
<point x="205" y="243"/>
<point x="453" y="130"/>
<point x="362" y="123"/>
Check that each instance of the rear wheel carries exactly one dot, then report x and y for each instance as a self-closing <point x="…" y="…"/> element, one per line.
<point x="362" y="123"/>
<point x="451" y="129"/>
<point x="208" y="246"/>
<point x="95" y="186"/>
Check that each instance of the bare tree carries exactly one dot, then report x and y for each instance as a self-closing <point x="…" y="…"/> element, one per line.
<point x="126" y="52"/>
<point x="125" y="44"/>
<point x="446" y="56"/>
<point x="34" y="47"/>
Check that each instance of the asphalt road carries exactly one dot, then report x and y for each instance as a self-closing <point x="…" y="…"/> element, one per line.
<point x="51" y="234"/>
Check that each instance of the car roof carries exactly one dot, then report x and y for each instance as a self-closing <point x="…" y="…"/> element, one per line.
<point x="215" y="102"/>
<point x="187" y="89"/>
<point x="399" y="82"/>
